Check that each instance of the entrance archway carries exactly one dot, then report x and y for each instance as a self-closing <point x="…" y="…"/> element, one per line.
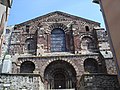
<point x="60" y="75"/>
<point x="59" y="80"/>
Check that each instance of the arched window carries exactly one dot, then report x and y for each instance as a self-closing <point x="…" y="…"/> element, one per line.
<point x="30" y="45"/>
<point x="27" y="67"/>
<point x="87" y="43"/>
<point x="91" y="65"/>
<point x="87" y="28"/>
<point x="27" y="28"/>
<point x="58" y="40"/>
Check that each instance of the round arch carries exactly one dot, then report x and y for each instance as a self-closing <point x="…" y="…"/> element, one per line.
<point x="58" y="25"/>
<point x="84" y="35"/>
<point x="87" y="28"/>
<point x="60" y="75"/>
<point x="87" y="43"/>
<point x="30" y="45"/>
<point x="91" y="65"/>
<point x="58" y="40"/>
<point x="27" y="67"/>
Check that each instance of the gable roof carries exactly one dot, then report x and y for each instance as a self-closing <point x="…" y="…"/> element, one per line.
<point x="59" y="13"/>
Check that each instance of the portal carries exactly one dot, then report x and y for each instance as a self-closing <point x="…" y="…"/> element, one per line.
<point x="60" y="75"/>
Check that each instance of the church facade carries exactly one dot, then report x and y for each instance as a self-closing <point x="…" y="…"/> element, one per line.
<point x="67" y="51"/>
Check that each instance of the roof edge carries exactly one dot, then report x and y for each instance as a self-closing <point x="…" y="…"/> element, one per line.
<point x="58" y="12"/>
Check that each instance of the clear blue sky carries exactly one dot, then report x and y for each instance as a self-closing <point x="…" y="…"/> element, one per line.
<point x="23" y="10"/>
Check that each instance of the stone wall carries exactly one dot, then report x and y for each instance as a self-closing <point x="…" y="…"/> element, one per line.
<point x="104" y="47"/>
<point x="34" y="82"/>
<point x="21" y="82"/>
<point x="82" y="42"/>
<point x="40" y="29"/>
<point x="99" y="82"/>
<point x="110" y="65"/>
<point x="42" y="62"/>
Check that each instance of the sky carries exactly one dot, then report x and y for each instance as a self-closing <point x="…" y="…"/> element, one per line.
<point x="23" y="10"/>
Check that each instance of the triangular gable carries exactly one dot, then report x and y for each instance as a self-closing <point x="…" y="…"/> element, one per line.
<point x="66" y="15"/>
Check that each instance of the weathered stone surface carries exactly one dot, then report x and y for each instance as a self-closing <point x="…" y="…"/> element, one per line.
<point x="82" y="41"/>
<point x="21" y="81"/>
<point x="99" y="82"/>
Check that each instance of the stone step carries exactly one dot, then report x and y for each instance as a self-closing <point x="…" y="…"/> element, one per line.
<point x="60" y="89"/>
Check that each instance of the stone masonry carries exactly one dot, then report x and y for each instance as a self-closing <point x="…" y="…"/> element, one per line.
<point x="63" y="49"/>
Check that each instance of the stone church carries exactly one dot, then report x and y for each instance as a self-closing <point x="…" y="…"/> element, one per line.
<point x="67" y="51"/>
